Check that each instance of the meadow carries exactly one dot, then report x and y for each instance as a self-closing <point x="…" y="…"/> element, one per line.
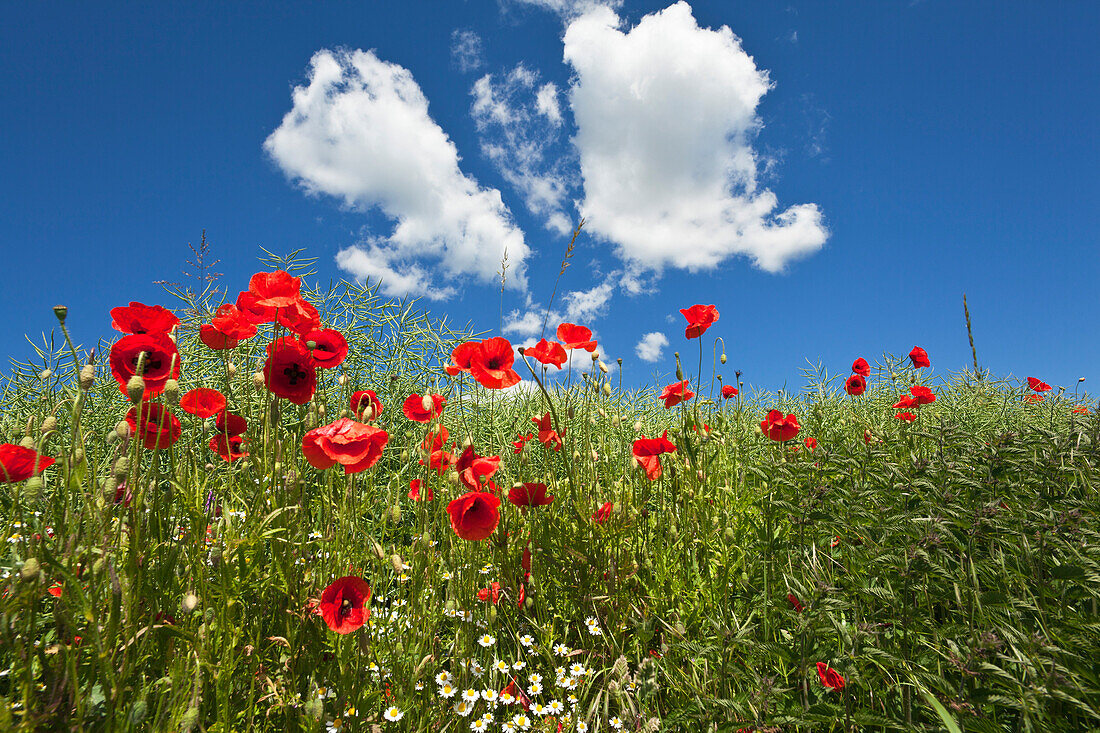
<point x="324" y="510"/>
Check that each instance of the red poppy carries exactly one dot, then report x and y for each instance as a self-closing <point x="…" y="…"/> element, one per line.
<point x="700" y="318"/>
<point x="230" y="448"/>
<point x="344" y="604"/>
<point x="1034" y="398"/>
<point x="300" y="317"/>
<point x="161" y="361"/>
<point x="203" y="402"/>
<point x="780" y="428"/>
<point x="414" y="491"/>
<point x="529" y="494"/>
<point x="521" y="441"/>
<point x="1037" y="385"/>
<point x="547" y="435"/>
<point x="460" y="358"/>
<point x="491" y="365"/>
<point x="515" y="691"/>
<point x="1081" y="410"/>
<point x="810" y="443"/>
<point x="423" y="409"/>
<point x="439" y="461"/>
<point x="906" y="416"/>
<point x="521" y="596"/>
<point x="366" y="405"/>
<point x="472" y="468"/>
<point x="919" y="357"/>
<point x="904" y="403"/>
<point x="19" y="464"/>
<point x="856" y="385"/>
<point x="573" y="336"/>
<point x="525" y="558"/>
<point x="233" y="322"/>
<point x="54" y="590"/>
<point x="676" y="393"/>
<point x="215" y="339"/>
<point x="829" y="677"/>
<point x="547" y="352"/>
<point x="922" y="395"/>
<point x="289" y="371"/>
<point x="141" y="318"/>
<point x="276" y="289"/>
<point x="474" y="516"/>
<point x="795" y="603"/>
<point x="647" y="452"/>
<point x="484" y="594"/>
<point x="728" y="390"/>
<point x="331" y="349"/>
<point x="353" y="445"/>
<point x="602" y="514"/>
<point x="155" y="425"/>
<point x="435" y="438"/>
<point x="861" y="367"/>
<point x="228" y="423"/>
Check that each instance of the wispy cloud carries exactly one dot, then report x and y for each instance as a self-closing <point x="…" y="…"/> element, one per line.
<point x="466" y="50"/>
<point x="651" y="346"/>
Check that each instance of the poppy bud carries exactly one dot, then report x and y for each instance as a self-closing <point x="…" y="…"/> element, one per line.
<point x="397" y="563"/>
<point x="122" y="468"/>
<point x="321" y="410"/>
<point x="722" y="358"/>
<point x="595" y="455"/>
<point x="60" y="311"/>
<point x="45" y="374"/>
<point x="378" y="551"/>
<point x="638" y="426"/>
<point x="135" y="388"/>
<point x="49" y="425"/>
<point x="603" y="367"/>
<point x="98" y="566"/>
<point x="529" y="603"/>
<point x="32" y="492"/>
<point x="191" y="718"/>
<point x="615" y="421"/>
<point x="570" y="412"/>
<point x="231" y="369"/>
<point x="31" y="570"/>
<point x="343" y="380"/>
<point x="172" y="392"/>
<point x="452" y="477"/>
<point x="87" y="376"/>
<point x="190" y="603"/>
<point x="258" y="380"/>
<point x="27" y="442"/>
<point x="344" y="413"/>
<point x="493" y="615"/>
<point x="395" y="514"/>
<point x="607" y="389"/>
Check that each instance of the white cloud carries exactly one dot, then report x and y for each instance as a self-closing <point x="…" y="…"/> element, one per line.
<point x="571" y="8"/>
<point x="360" y="131"/>
<point x="583" y="306"/>
<point x="519" y="123"/>
<point x="529" y="323"/>
<point x="651" y="346"/>
<point x="466" y="50"/>
<point x="666" y="116"/>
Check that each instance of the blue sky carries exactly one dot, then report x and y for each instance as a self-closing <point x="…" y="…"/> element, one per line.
<point x="833" y="176"/>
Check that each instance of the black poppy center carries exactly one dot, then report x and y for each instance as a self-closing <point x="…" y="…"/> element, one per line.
<point x="294" y="373"/>
<point x="152" y="361"/>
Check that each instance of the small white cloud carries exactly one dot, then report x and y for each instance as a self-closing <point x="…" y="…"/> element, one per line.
<point x="650" y="347"/>
<point x="466" y="50"/>
<point x="583" y="306"/>
<point x="666" y="118"/>
<point x="360" y="131"/>
<point x="546" y="102"/>
<point x="530" y="323"/>
<point x="571" y="8"/>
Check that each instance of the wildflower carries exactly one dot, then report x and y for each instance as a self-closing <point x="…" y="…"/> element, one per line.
<point x="442" y="677"/>
<point x="562" y="650"/>
<point x="547" y="435"/>
<point x="140" y="318"/>
<point x="829" y="677"/>
<point x="423" y="409"/>
<point x="521" y="441"/>
<point x="810" y="443"/>
<point x="480" y="725"/>
<point x="353" y="445"/>
<point x="529" y="494"/>
<point x="904" y="403"/>
<point x="487" y="640"/>
<point x="491" y="364"/>
<point x="289" y="372"/>
<point x="522" y="721"/>
<point x="228" y="447"/>
<point x="555" y="707"/>
<point x="919" y="357"/>
<point x="780" y="428"/>
<point x="155" y="353"/>
<point x="471" y="695"/>
<point x="472" y="468"/>
<point x="519" y="665"/>
<point x="393" y="714"/>
<point x="157" y="427"/>
<point x="484" y="595"/>
<point x="855" y="385"/>
<point x="344" y="604"/>
<point x="728" y="390"/>
<point x="582" y="727"/>
<point x="527" y="640"/>
<point x="489" y="695"/>
<point x="534" y="678"/>
<point x="275" y="289"/>
<point x="795" y="603"/>
<point x="906" y="416"/>
<point x="674" y="394"/>
<point x="414" y="491"/>
<point x="602" y="514"/>
<point x="593" y="628"/>
<point x="232" y="323"/>
<point x="331" y="348"/>
<point x="202" y="402"/>
<point x="647" y="452"/>
<point x="447" y="690"/>
<point x="616" y="722"/>
<point x="464" y="707"/>
<point x="366" y="405"/>
<point x="547" y="352"/>
<point x="922" y="395"/>
<point x="19" y="464"/>
<point x="573" y="336"/>
<point x="1081" y="410"/>
<point x="861" y="367"/>
<point x="535" y="688"/>
<point x="1037" y="385"/>
<point x="700" y="318"/>
<point x="474" y="516"/>
<point x="1034" y="398"/>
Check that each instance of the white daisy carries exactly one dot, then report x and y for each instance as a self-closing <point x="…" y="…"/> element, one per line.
<point x="539" y="709"/>
<point x="555" y="707"/>
<point x="576" y="669"/>
<point x="522" y="721"/>
<point x="464" y="707"/>
<point x="479" y="725"/>
<point x="507" y="698"/>
<point x="518" y="665"/>
<point x="447" y="690"/>
<point x="487" y="640"/>
<point x="535" y="677"/>
<point x="534" y="688"/>
<point x="501" y="666"/>
<point x="616" y="723"/>
<point x="561" y="650"/>
<point x="489" y="695"/>
<point x="442" y="677"/>
<point x="527" y="640"/>
<point x="393" y="714"/>
<point x="593" y="626"/>
<point x="582" y="727"/>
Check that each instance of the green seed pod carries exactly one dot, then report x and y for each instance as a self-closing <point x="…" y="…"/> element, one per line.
<point x="78" y="456"/>
<point x="722" y="358"/>
<point x="343" y="380"/>
<point x="378" y="551"/>
<point x="729" y="534"/>
<point x="31" y="570"/>
<point x="315" y="708"/>
<point x="61" y="312"/>
<point x="607" y="388"/>
<point x="135" y="388"/>
<point x="493" y="615"/>
<point x="87" y="376"/>
<point x="395" y="514"/>
<point x="529" y="603"/>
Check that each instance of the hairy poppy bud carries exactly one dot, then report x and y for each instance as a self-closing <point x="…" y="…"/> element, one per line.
<point x="33" y="489"/>
<point x="378" y="551"/>
<point x="98" y="566"/>
<point x="615" y="421"/>
<point x="122" y="429"/>
<point x="397" y="563"/>
<point x="315" y="708"/>
<point x="31" y="570"/>
<point x="172" y="392"/>
<point x="595" y="356"/>
<point x="395" y="514"/>
<point x="27" y="442"/>
<point x="344" y="413"/>
<point x="321" y="410"/>
<point x="190" y="603"/>
<point x="61" y="312"/>
<point x="191" y="718"/>
<point x="122" y="468"/>
<point x="452" y="477"/>
<point x="607" y="389"/>
<point x="87" y="376"/>
<point x="231" y="370"/>
<point x="258" y="380"/>
<point x="722" y="358"/>
<point x="529" y="603"/>
<point x="45" y="374"/>
<point x="570" y="412"/>
<point x="49" y="425"/>
<point x="638" y="426"/>
<point x="343" y="380"/>
<point x="135" y="388"/>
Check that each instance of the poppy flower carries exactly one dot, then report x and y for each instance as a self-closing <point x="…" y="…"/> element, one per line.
<point x="228" y="423"/>
<point x="906" y="416"/>
<point x="215" y="339"/>
<point x="676" y="393"/>
<point x="810" y="443"/>
<point x="728" y="390"/>
<point x="491" y="364"/>
<point x="229" y="448"/>
<point x="922" y="395"/>
<point x="647" y="452"/>
<point x="365" y="404"/>
<point x="484" y="594"/>
<point x="54" y="590"/>
<point x="414" y="491"/>
<point x="161" y="361"/>
<point x="474" y="516"/>
<point x="1037" y="385"/>
<point x="203" y="402"/>
<point x="855" y="385"/>
<point x="515" y="691"/>
<point x="547" y="435"/>
<point x="300" y="317"/>
<point x="1034" y="398"/>
<point x="1081" y="410"/>
<point x="227" y="328"/>
<point x="353" y="445"/>
<point x="414" y="407"/>
<point x="141" y="318"/>
<point x="780" y="428"/>
<point x="344" y="604"/>
<point x="795" y="603"/>
<point x="700" y="318"/>
<point x="573" y="336"/>
<point x="460" y="358"/>
<point x="289" y="371"/>
<point x="525" y="558"/>
<point x="602" y="514"/>
<point x="547" y="352"/>
<point x="521" y="441"/>
<point x="19" y="464"/>
<point x="331" y="349"/>
<point x="439" y="461"/>
<point x="472" y="468"/>
<point x="435" y="438"/>
<point x="829" y="677"/>
<point x="919" y="357"/>
<point x="154" y="424"/>
<point x="276" y="289"/>
<point x="861" y="367"/>
<point x="904" y="403"/>
<point x="529" y="494"/>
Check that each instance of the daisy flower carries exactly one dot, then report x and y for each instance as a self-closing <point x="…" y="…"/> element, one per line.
<point x="479" y="725"/>
<point x="555" y="707"/>
<point x="442" y="677"/>
<point x="487" y="640"/>
<point x="489" y="695"/>
<point x="519" y="665"/>
<point x="535" y="677"/>
<point x="561" y="650"/>
<point x="534" y="688"/>
<point x="527" y="640"/>
<point x="393" y="714"/>
<point x="577" y="669"/>
<point x="582" y="727"/>
<point x="616" y="723"/>
<point x="507" y="698"/>
<point x="539" y="709"/>
<point x="501" y="666"/>
<point x="447" y="690"/>
<point x="593" y="626"/>
<point x="471" y="695"/>
<point x="522" y="721"/>
<point x="464" y="707"/>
